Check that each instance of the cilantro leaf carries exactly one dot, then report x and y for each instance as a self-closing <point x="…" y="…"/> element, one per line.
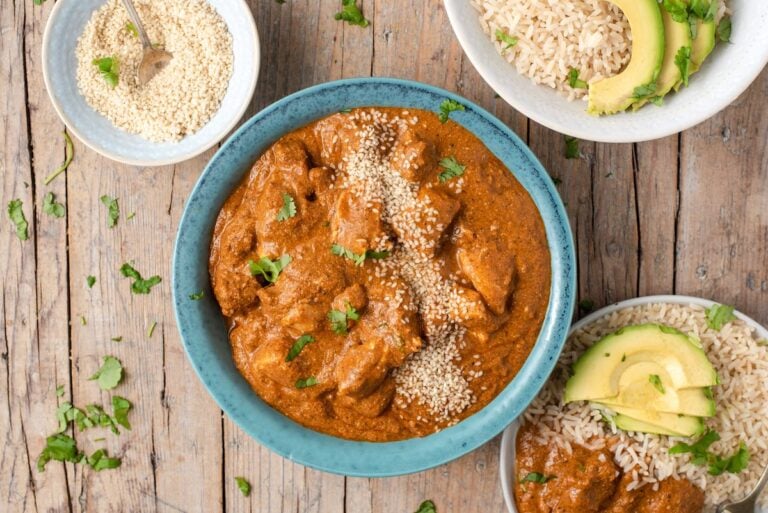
<point x="298" y="346"/>
<point x="359" y="260"/>
<point x="655" y="380"/>
<point x="61" y="415"/>
<point x="242" y="483"/>
<point x="109" y="67"/>
<point x="427" y="507"/>
<point x="269" y="269"/>
<point x="120" y="408"/>
<point x="52" y="207"/>
<point x="98" y="417"/>
<point x="117" y="339"/>
<point x="59" y="390"/>
<point x="351" y="13"/>
<point x="683" y="63"/>
<point x="448" y="106"/>
<point x="716" y="465"/>
<point x="506" y="38"/>
<point x="705" y="10"/>
<point x="677" y="9"/>
<point x="724" y="29"/>
<point x="151" y="329"/>
<point x="130" y="27"/>
<point x="139" y="285"/>
<point x="571" y="147"/>
<point x="306" y="382"/>
<point x="90" y="281"/>
<point x="113" y="208"/>
<point x="100" y="461"/>
<point x="657" y="100"/>
<point x="16" y="214"/>
<point x="536" y="477"/>
<point x="69" y="154"/>
<point x="339" y="319"/>
<point x="58" y="447"/>
<point x="453" y="169"/>
<point x="574" y="81"/>
<point x="110" y="373"/>
<point x="644" y="91"/>
<point x="718" y="315"/>
<point x="197" y="296"/>
<point x="38" y="2"/>
<point x="289" y="208"/>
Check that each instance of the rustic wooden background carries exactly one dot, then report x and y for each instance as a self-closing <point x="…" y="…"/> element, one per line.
<point x="686" y="214"/>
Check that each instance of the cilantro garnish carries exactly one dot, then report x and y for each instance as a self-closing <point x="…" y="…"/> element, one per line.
<point x="683" y="63"/>
<point x="117" y="339"/>
<point x="16" y="214"/>
<point x="58" y="447"/>
<point x="197" y="296"/>
<point x="298" y="346"/>
<point x="306" y="382"/>
<point x="359" y="260"/>
<point x="90" y="281"/>
<point x="269" y="269"/>
<point x="644" y="91"/>
<point x="586" y="305"/>
<point x="724" y="29"/>
<point x="130" y="27"/>
<point x="351" y="13"/>
<point x="151" y="329"/>
<point x="242" y="483"/>
<point x="113" y="210"/>
<point x="340" y="319"/>
<point x="52" y="207"/>
<point x="506" y="38"/>
<point x="427" y="507"/>
<point x="705" y="10"/>
<point x="110" y="373"/>
<point x="38" y="2"/>
<point x="717" y="465"/>
<point x="83" y="320"/>
<point x="571" y="147"/>
<point x="655" y="380"/>
<point x="718" y="315"/>
<point x="59" y="390"/>
<point x="453" y="169"/>
<point x="100" y="461"/>
<point x="447" y="107"/>
<point x="677" y="9"/>
<point x="574" y="81"/>
<point x="288" y="210"/>
<point x="536" y="477"/>
<point x="130" y="216"/>
<point x="109" y="67"/>
<point x="657" y="100"/>
<point x="139" y="285"/>
<point x="69" y="154"/>
<point x="120" y="408"/>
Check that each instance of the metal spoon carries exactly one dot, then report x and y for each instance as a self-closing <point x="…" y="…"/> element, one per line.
<point x="748" y="505"/>
<point x="154" y="59"/>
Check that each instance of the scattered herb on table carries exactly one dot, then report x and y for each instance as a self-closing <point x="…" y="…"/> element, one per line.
<point x="340" y="319"/>
<point x="83" y="320"/>
<point x="452" y="167"/>
<point x="683" y="63"/>
<point x="719" y="315"/>
<point x="288" y="210"/>
<point x="242" y="483"/>
<point x="655" y="380"/>
<point x="574" y="81"/>
<point x="110" y="373"/>
<point x="427" y="507"/>
<point x="16" y="214"/>
<point x="58" y="447"/>
<point x="90" y="281"/>
<point x="120" y="408"/>
<point x="39" y="2"/>
<point x="99" y="460"/>
<point x="113" y="209"/>
<point x="351" y="13"/>
<point x="587" y="305"/>
<point x="448" y="106"/>
<point x="59" y="390"/>
<point x="724" y="29"/>
<point x="69" y="154"/>
<point x="306" y="382"/>
<point x="504" y="37"/>
<point x="52" y="207"/>
<point x="197" y="296"/>
<point x="717" y="465"/>
<point x="139" y="285"/>
<point x="109" y="67"/>
<point x="571" y="147"/>
<point x="151" y="329"/>
<point x="269" y="269"/>
<point x="130" y="216"/>
<point x="298" y="346"/>
<point x="117" y="339"/>
<point x="130" y="27"/>
<point x="536" y="477"/>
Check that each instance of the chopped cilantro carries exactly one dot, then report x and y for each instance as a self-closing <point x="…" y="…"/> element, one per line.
<point x="59" y="390"/>
<point x="448" y="106"/>
<point x="683" y="63"/>
<point x="151" y="329"/>
<point x="242" y="483"/>
<point x="717" y="465"/>
<point x="38" y="2"/>
<point x="306" y="382"/>
<point x="269" y="269"/>
<point x="571" y="147"/>
<point x="100" y="461"/>
<point x="452" y="167"/>
<point x="109" y="67"/>
<point x="52" y="207"/>
<point x="83" y="320"/>
<point x="110" y="373"/>
<point x="120" y="408"/>
<point x="197" y="296"/>
<point x="655" y="380"/>
<point x="657" y="100"/>
<point x="289" y="208"/>
<point x="762" y="342"/>
<point x="705" y="10"/>
<point x="574" y="81"/>
<point x="130" y="216"/>
<point x="427" y="507"/>
<point x="298" y="346"/>
<point x="130" y="27"/>
<point x="351" y="13"/>
<point x="644" y="91"/>
<point x="113" y="210"/>
<point x="16" y="214"/>
<point x="58" y="447"/>
<point x="506" y="38"/>
<point x="724" y="29"/>
<point x="718" y="315"/>
<point x="677" y="9"/>
<point x="117" y="339"/>
<point x="69" y="154"/>
<point x="139" y="285"/>
<point x="586" y="305"/>
<point x="536" y="477"/>
<point x="340" y="319"/>
<point x="359" y="260"/>
<point x="90" y="281"/>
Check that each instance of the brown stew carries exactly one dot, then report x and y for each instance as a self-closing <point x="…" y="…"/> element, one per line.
<point x="383" y="274"/>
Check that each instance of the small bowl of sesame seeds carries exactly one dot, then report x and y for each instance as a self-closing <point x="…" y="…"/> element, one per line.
<point x="91" y="53"/>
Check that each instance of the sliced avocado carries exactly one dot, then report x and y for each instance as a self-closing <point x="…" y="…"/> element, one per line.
<point x="697" y="402"/>
<point x="703" y="44"/>
<point x="659" y="423"/>
<point x="639" y="352"/>
<point x="616" y="93"/>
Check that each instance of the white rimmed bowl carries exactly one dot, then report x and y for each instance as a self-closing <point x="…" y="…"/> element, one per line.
<point x="508" y="441"/>
<point x="724" y="76"/>
<point x="67" y="21"/>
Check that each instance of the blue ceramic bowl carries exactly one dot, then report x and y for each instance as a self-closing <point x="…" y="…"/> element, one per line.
<point x="204" y="332"/>
<point x="67" y="22"/>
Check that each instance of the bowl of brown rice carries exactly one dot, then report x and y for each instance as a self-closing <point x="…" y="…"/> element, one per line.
<point x="739" y="352"/>
<point x="91" y="53"/>
<point x="525" y="50"/>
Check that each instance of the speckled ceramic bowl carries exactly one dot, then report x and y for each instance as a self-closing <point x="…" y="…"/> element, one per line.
<point x="204" y="332"/>
<point x="67" y="22"/>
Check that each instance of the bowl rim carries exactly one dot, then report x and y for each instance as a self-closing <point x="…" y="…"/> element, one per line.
<point x="672" y="125"/>
<point x="559" y="308"/>
<point x="214" y="140"/>
<point x="509" y="438"/>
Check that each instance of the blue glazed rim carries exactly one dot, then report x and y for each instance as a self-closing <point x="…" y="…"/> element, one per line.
<point x="204" y="333"/>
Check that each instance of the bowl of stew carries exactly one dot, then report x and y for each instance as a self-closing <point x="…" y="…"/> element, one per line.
<point x="388" y="277"/>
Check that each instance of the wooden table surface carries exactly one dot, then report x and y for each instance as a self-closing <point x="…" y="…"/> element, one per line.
<point x="687" y="214"/>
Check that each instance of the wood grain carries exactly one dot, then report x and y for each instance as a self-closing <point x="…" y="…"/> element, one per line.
<point x="685" y="214"/>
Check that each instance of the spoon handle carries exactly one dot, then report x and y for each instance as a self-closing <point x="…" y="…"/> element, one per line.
<point x="760" y="485"/>
<point x="145" y="42"/>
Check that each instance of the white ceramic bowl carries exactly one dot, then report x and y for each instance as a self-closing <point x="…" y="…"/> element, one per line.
<point x="66" y="23"/>
<point x="508" y="440"/>
<point x="724" y="76"/>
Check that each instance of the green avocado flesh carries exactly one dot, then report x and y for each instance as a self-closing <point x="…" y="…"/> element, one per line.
<point x="676" y="426"/>
<point x="703" y="44"/>
<point x="617" y="93"/>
